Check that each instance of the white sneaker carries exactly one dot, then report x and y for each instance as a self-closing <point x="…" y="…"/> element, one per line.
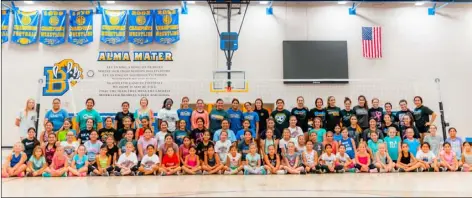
<point x="373" y="170"/>
<point x="383" y="170"/>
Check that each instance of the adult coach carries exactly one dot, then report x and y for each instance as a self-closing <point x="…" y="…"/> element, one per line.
<point x="56" y="115"/>
<point x="89" y="112"/>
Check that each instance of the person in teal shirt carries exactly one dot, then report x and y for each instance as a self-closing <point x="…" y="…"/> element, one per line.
<point x="87" y="113"/>
<point x="374" y="142"/>
<point x="393" y="142"/>
<point x="217" y="116"/>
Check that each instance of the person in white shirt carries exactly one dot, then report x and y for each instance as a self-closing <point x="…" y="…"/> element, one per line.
<point x="168" y="114"/>
<point x="427" y="159"/>
<point x="150" y="162"/>
<point x="26" y="118"/>
<point x="222" y="146"/>
<point x="127" y="162"/>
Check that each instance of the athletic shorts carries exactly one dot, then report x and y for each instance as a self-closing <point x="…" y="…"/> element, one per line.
<point x="423" y="129"/>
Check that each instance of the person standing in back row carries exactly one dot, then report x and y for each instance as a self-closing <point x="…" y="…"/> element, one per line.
<point x="120" y="115"/>
<point x="185" y="113"/>
<point x="421" y="115"/>
<point x="168" y="114"/>
<point x="318" y="111"/>
<point x="89" y="113"/>
<point x="333" y="114"/>
<point x="403" y="111"/>
<point x="376" y="112"/>
<point x="301" y="113"/>
<point x="56" y="115"/>
<point x="200" y="112"/>
<point x="217" y="115"/>
<point x="347" y="112"/>
<point x="262" y="113"/>
<point x="235" y="116"/>
<point x="280" y="115"/>
<point x="362" y="112"/>
<point x="26" y="118"/>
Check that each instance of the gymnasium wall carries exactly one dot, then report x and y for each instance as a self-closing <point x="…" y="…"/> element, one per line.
<point x="417" y="48"/>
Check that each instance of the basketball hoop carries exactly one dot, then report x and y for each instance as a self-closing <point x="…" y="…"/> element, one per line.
<point x="228" y="89"/>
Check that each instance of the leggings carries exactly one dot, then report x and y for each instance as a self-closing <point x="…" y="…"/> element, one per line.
<point x="359" y="166"/>
<point x="118" y="169"/>
<point x="326" y="168"/>
<point x="254" y="170"/>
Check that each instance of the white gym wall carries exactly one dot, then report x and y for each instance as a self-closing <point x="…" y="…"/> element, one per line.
<point x="417" y="48"/>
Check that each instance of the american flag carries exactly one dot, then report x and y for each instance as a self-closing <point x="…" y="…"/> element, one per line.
<point x="372" y="42"/>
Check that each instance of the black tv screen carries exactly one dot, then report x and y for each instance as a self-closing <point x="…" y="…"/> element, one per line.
<point x="315" y="60"/>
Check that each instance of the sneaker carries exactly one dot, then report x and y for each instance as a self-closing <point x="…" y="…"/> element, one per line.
<point x="117" y="174"/>
<point x="263" y="172"/>
<point x="303" y="172"/>
<point x="420" y="169"/>
<point x="382" y="170"/>
<point x="46" y="174"/>
<point x="443" y="169"/>
<point x="106" y="174"/>
<point x="92" y="174"/>
<point x="22" y="174"/>
<point x="83" y="174"/>
<point x="133" y="173"/>
<point x="163" y="173"/>
<point x="140" y="173"/>
<point x="373" y="170"/>
<point x="401" y="170"/>
<point x="340" y="171"/>
<point x="352" y="170"/>
<point x="64" y="175"/>
<point x="245" y="172"/>
<point x="29" y="174"/>
<point x="178" y="173"/>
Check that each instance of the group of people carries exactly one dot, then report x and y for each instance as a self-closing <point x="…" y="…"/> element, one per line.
<point x="248" y="140"/>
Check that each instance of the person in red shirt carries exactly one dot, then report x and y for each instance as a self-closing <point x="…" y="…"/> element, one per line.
<point x="170" y="163"/>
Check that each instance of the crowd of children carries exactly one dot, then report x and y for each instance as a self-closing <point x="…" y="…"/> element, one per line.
<point x="320" y="140"/>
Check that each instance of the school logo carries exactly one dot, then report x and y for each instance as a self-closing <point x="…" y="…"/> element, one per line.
<point x="60" y="76"/>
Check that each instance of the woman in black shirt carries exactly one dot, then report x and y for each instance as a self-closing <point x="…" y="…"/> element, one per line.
<point x="376" y="112"/>
<point x="387" y="123"/>
<point x="347" y="112"/>
<point x="301" y="113"/>
<point x="362" y="112"/>
<point x="318" y="111"/>
<point x="333" y="114"/>
<point x="262" y="113"/>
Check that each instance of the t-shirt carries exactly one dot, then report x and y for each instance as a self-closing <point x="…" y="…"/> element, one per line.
<point x="164" y="147"/>
<point x="333" y="117"/>
<point x="403" y="128"/>
<point x="448" y="157"/>
<point x="320" y="133"/>
<point x="243" y="147"/>
<point x="92" y="149"/>
<point x="425" y="157"/>
<point x="170" y="116"/>
<point x="235" y="119"/>
<point x="295" y="132"/>
<point x="122" y="145"/>
<point x="263" y="116"/>
<point x="456" y="145"/>
<point x="421" y="115"/>
<point x="377" y="114"/>
<point x="103" y="133"/>
<point x="197" y="114"/>
<point x="302" y="117"/>
<point x="253" y="119"/>
<point x="216" y="117"/>
<point x="184" y="150"/>
<point x="374" y="146"/>
<point x="366" y="134"/>
<point x="318" y="147"/>
<point x="399" y="117"/>
<point x="346" y="117"/>
<point x="342" y="159"/>
<point x="222" y="148"/>
<point x="119" y="119"/>
<point x="27" y="120"/>
<point x="202" y="148"/>
<point x="169" y="161"/>
<point x="57" y="118"/>
<point x="62" y="135"/>
<point x="59" y="161"/>
<point x="337" y="137"/>
<point x="141" y="113"/>
<point x="80" y="161"/>
<point x="283" y="145"/>
<point x="149" y="161"/>
<point x="328" y="159"/>
<point x="292" y="158"/>
<point x="384" y="128"/>
<point x="144" y="143"/>
<point x="186" y="114"/>
<point x="413" y="145"/>
<point x="84" y="135"/>
<point x="70" y="148"/>
<point x="231" y="135"/>
<point x="281" y="119"/>
<point x="37" y="163"/>
<point x="161" y="138"/>
<point x="111" y="151"/>
<point x="321" y="113"/>
<point x="240" y="134"/>
<point x="362" y="115"/>
<point x="234" y="161"/>
<point x="392" y="146"/>
<point x="253" y="159"/>
<point x="179" y="136"/>
<point x="128" y="160"/>
<point x="29" y="146"/>
<point x="197" y="135"/>
<point x="310" y="157"/>
<point x="435" y="142"/>
<point x="85" y="114"/>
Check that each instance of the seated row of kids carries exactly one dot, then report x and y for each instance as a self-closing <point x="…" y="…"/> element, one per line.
<point x="230" y="153"/>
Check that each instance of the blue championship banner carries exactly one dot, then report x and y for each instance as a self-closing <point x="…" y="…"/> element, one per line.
<point x="53" y="27"/>
<point x="140" y="24"/>
<point x="113" y="26"/>
<point x="167" y="26"/>
<point x="5" y="23"/>
<point x="25" y="27"/>
<point x="80" y="27"/>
